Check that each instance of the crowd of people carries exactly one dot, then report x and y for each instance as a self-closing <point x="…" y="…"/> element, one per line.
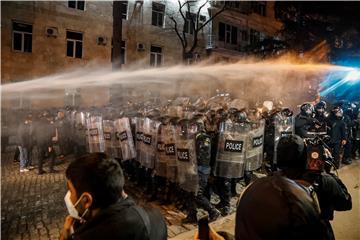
<point x="184" y="153"/>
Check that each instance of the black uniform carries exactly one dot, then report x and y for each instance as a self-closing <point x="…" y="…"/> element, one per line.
<point x="350" y="123"/>
<point x="337" y="135"/>
<point x="44" y="132"/>
<point x="203" y="154"/>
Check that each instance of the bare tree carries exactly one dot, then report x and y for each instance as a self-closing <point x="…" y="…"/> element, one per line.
<point x="188" y="47"/>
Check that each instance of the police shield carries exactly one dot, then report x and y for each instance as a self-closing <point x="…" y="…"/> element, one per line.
<point x="186" y="157"/>
<point x="108" y="126"/>
<point x="149" y="146"/>
<point x="139" y="134"/>
<point x="168" y="139"/>
<point x="95" y="134"/>
<point x="161" y="163"/>
<point x="124" y="139"/>
<point x="255" y="145"/>
<point x="80" y="128"/>
<point x="284" y="126"/>
<point x="230" y="158"/>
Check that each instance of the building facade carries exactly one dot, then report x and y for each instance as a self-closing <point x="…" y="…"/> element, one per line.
<point x="42" y="38"/>
<point x="39" y="38"/>
<point x="242" y="24"/>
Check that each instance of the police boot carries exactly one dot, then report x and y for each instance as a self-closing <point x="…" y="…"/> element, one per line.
<point x="214" y="214"/>
<point x="347" y="161"/>
<point x="225" y="210"/>
<point x="190" y="218"/>
<point x="247" y="177"/>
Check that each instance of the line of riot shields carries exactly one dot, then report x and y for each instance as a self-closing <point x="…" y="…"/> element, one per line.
<point x="162" y="139"/>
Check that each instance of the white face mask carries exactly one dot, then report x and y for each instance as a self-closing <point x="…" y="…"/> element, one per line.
<point x="71" y="207"/>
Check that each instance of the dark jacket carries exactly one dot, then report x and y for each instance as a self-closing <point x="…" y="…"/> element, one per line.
<point x="331" y="192"/>
<point x="302" y="125"/>
<point x="25" y="135"/>
<point x="122" y="221"/>
<point x="44" y="132"/>
<point x="337" y="130"/>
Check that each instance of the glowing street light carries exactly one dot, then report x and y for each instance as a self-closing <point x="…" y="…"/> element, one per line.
<point x="353" y="76"/>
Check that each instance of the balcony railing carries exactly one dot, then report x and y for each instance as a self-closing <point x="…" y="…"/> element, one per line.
<point x="210" y="42"/>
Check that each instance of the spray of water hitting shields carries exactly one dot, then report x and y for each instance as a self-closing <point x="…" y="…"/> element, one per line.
<point x="284" y="79"/>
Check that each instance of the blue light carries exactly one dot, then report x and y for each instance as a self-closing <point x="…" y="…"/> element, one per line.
<point x="343" y="84"/>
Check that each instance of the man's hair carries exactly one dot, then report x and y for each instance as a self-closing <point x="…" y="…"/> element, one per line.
<point x="291" y="152"/>
<point x="286" y="210"/>
<point x="102" y="177"/>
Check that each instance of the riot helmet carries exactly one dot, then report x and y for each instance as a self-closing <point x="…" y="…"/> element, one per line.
<point x="286" y="112"/>
<point x="307" y="109"/>
<point x="320" y="107"/>
<point x="241" y="116"/>
<point x="338" y="112"/>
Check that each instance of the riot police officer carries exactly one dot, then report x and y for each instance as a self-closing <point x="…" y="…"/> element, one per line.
<point x="203" y="155"/>
<point x="320" y="112"/>
<point x="349" y="119"/>
<point x="304" y="120"/>
<point x="337" y="133"/>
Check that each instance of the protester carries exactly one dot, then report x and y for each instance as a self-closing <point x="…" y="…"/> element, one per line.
<point x="99" y="208"/>
<point x="330" y="190"/>
<point x="25" y="136"/>
<point x="275" y="208"/>
<point x="45" y="133"/>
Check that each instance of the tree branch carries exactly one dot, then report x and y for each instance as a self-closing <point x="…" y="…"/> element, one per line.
<point x="177" y="31"/>
<point x="184" y="18"/>
<point x="212" y="17"/>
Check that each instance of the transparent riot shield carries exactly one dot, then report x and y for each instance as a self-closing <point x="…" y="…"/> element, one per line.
<point x="255" y="146"/>
<point x="108" y="126"/>
<point x="80" y="129"/>
<point x="170" y="152"/>
<point x="149" y="147"/>
<point x="161" y="163"/>
<point x="124" y="139"/>
<point x="284" y="126"/>
<point x="139" y="132"/>
<point x="230" y="158"/>
<point x="95" y="134"/>
<point x="186" y="158"/>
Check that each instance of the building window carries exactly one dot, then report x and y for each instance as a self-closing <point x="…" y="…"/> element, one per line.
<point x="122" y="54"/>
<point x="22" y="37"/>
<point x="244" y="36"/>
<point x="190" y="19"/>
<point x="227" y="33"/>
<point x="155" y="56"/>
<point x="74" y="44"/>
<point x="259" y="7"/>
<point x="77" y="4"/>
<point x="124" y="8"/>
<point x="158" y="11"/>
<point x="254" y="36"/>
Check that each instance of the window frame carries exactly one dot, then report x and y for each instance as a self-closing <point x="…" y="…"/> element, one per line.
<point x="228" y="30"/>
<point x="22" y="37"/>
<point x="157" y="12"/>
<point x="74" y="44"/>
<point x="156" y="54"/>
<point x="76" y="5"/>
